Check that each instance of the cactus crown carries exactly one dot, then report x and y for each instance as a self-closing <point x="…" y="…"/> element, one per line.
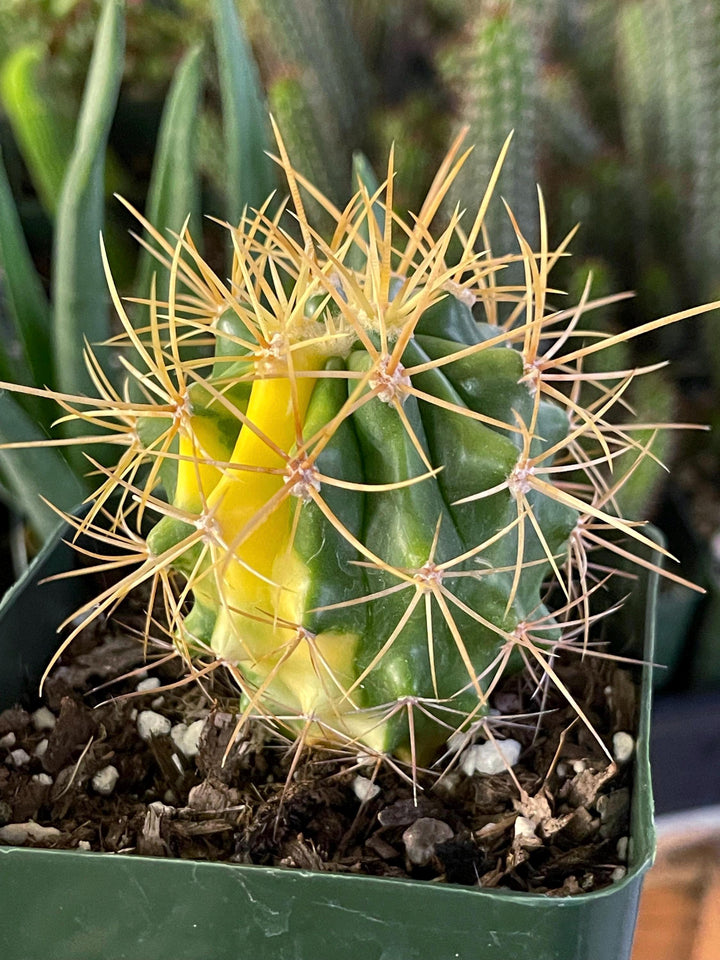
<point x="360" y="461"/>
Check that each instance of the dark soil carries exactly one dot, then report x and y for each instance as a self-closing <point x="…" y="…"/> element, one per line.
<point x="557" y="824"/>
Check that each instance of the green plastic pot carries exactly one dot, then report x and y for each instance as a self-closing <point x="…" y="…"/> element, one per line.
<point x="66" y="905"/>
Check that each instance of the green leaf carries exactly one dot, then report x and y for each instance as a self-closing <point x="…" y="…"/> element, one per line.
<point x="23" y="298"/>
<point x="79" y="285"/>
<point x="35" y="472"/>
<point x="45" y="142"/>
<point x="174" y="189"/>
<point x="363" y="175"/>
<point x="250" y="177"/>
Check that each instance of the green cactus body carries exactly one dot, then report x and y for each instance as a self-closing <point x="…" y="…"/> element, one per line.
<point x="352" y="606"/>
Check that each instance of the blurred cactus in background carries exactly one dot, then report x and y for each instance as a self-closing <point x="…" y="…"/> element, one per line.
<point x="318" y="86"/>
<point x="492" y="71"/>
<point x="669" y="68"/>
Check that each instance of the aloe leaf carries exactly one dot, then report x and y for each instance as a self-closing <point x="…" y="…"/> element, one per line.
<point x="79" y="286"/>
<point x="46" y="143"/>
<point x="23" y="297"/>
<point x="174" y="190"/>
<point x="250" y="176"/>
<point x="35" y="472"/>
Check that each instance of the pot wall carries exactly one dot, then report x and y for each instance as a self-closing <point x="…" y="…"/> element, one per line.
<point x="68" y="906"/>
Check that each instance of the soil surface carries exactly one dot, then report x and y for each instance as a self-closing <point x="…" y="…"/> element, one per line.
<point x="79" y="774"/>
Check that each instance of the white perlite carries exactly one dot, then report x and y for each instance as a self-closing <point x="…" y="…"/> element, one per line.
<point x="151" y="724"/>
<point x="105" y="780"/>
<point x="41" y="748"/>
<point x="43" y="719"/>
<point x="623" y="746"/>
<point x="18" y="758"/>
<point x="150" y="683"/>
<point x="16" y="834"/>
<point x="187" y="737"/>
<point x="193" y="737"/>
<point x="365" y="759"/>
<point x="8" y="741"/>
<point x="43" y="778"/>
<point x="177" y="735"/>
<point x="365" y="789"/>
<point x="494" y="756"/>
<point x="622" y="848"/>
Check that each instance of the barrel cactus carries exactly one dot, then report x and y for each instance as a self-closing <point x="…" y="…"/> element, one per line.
<point x="347" y="481"/>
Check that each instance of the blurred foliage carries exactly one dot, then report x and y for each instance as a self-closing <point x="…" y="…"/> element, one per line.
<point x="613" y="105"/>
<point x="157" y="33"/>
<point x="57" y="177"/>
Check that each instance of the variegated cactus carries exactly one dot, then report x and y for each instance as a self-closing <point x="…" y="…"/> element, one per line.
<point x="358" y="483"/>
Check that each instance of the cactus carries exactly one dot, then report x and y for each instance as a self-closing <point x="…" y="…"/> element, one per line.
<point x="668" y="76"/>
<point x="651" y="397"/>
<point x="494" y="72"/>
<point x="435" y="585"/>
<point x="356" y="502"/>
<point x="305" y="144"/>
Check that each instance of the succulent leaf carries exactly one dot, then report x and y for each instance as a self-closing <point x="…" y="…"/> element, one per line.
<point x="249" y="172"/>
<point x="79" y="298"/>
<point x="174" y="192"/>
<point x="24" y="297"/>
<point x="45" y="140"/>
